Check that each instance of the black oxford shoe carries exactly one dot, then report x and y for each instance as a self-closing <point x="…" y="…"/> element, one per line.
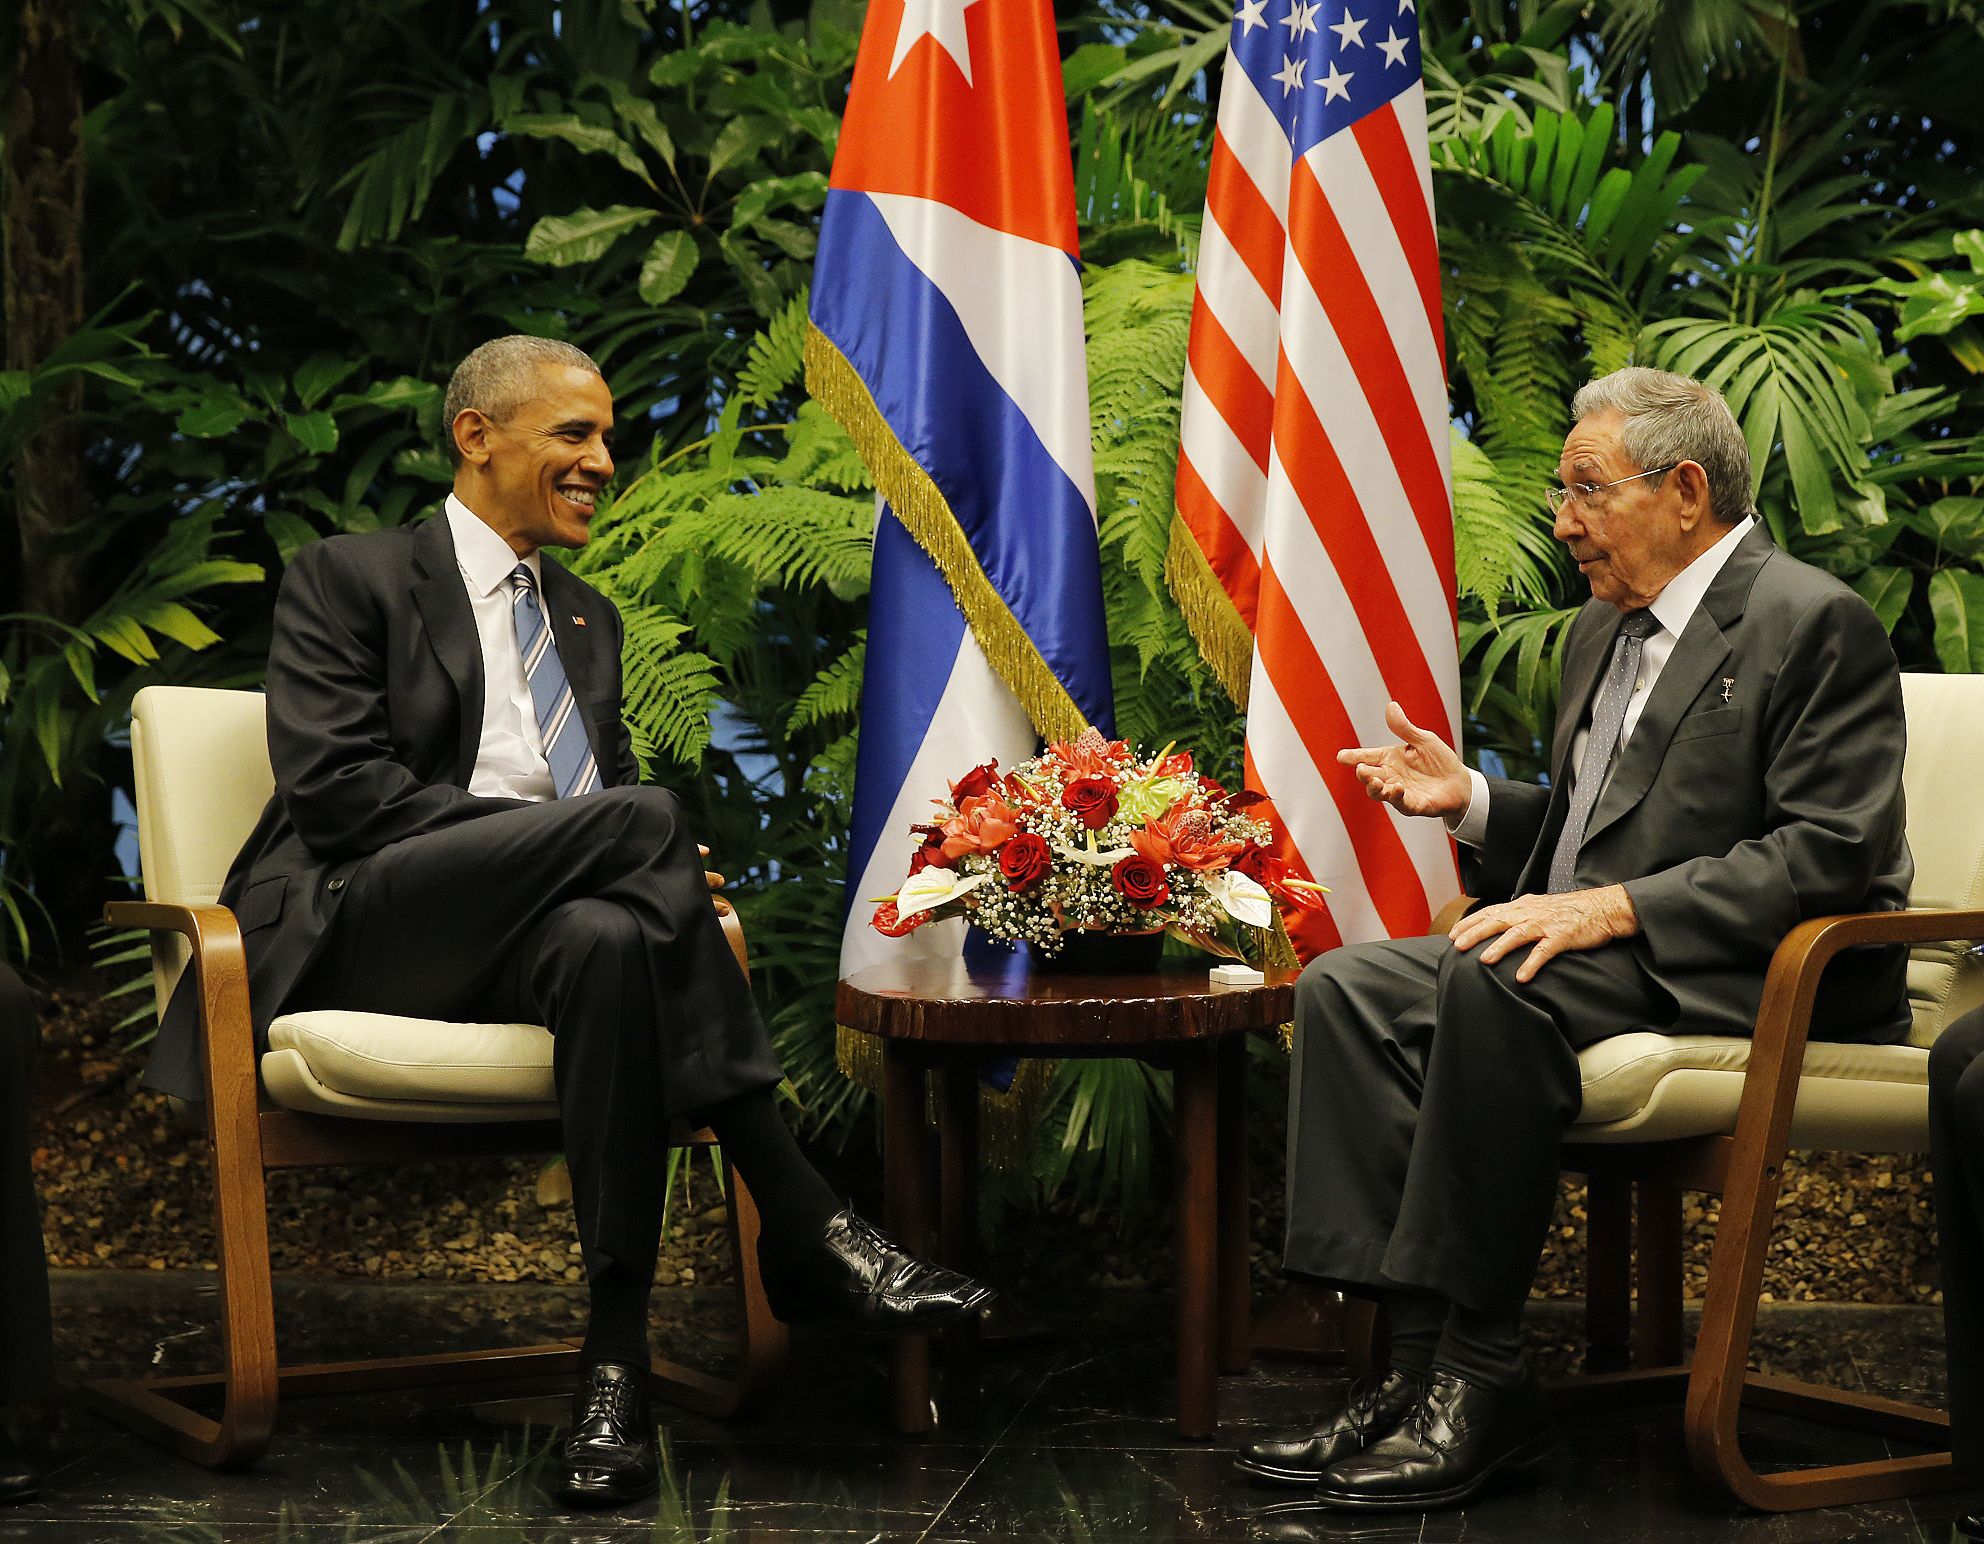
<point x="858" y="1277"/>
<point x="19" y="1479"/>
<point x="1300" y="1457"/>
<point x="1969" y="1526"/>
<point x="1456" y="1439"/>
<point x="608" y="1457"/>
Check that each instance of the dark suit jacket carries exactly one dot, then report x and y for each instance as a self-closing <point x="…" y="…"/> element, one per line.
<point x="375" y="717"/>
<point x="1730" y="822"/>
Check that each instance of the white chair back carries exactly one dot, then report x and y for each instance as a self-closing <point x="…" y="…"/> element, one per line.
<point x="200" y="759"/>
<point x="1942" y="777"/>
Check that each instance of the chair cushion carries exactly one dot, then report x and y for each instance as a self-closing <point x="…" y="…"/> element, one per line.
<point x="387" y="1067"/>
<point x="1658" y="1088"/>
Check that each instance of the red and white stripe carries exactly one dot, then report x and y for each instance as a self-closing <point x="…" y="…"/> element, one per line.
<point x="1314" y="476"/>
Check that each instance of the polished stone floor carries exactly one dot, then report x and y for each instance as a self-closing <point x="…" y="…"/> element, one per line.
<point x="1068" y="1440"/>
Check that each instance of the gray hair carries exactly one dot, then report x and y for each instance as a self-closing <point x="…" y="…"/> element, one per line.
<point x="1671" y="418"/>
<point x="500" y="377"/>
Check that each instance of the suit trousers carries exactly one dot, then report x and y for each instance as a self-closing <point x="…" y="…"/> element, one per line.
<point x="589" y="915"/>
<point x="1956" y="1147"/>
<point x="1428" y="1099"/>
<point x="26" y="1360"/>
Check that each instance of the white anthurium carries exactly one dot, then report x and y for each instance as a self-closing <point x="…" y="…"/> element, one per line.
<point x="1243" y="897"/>
<point x="933" y="887"/>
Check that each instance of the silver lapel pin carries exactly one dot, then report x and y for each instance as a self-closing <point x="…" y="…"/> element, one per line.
<point x="1728" y="686"/>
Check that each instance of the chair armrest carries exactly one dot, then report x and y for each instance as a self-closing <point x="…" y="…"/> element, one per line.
<point x="1445" y="919"/>
<point x="220" y="976"/>
<point x="1784" y="1017"/>
<point x="733" y="932"/>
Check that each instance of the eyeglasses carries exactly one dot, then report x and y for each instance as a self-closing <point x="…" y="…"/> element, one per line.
<point x="1583" y="492"/>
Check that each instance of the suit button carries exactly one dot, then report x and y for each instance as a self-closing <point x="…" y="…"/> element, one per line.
<point x="337" y="884"/>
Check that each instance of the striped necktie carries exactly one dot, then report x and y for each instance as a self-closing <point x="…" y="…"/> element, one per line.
<point x="1608" y="723"/>
<point x="573" y="770"/>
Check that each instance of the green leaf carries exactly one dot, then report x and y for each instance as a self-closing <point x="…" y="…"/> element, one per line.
<point x="560" y="240"/>
<point x="1088" y="67"/>
<point x="1887" y="589"/>
<point x="806" y="190"/>
<point x="668" y="267"/>
<point x="741" y="138"/>
<point x="1956" y="601"/>
<point x="290" y="532"/>
<point x="400" y="391"/>
<point x="640" y="114"/>
<point x="174" y="621"/>
<point x="316" y="432"/>
<point x="318" y="374"/>
<point x="576" y="132"/>
<point x="210" y="419"/>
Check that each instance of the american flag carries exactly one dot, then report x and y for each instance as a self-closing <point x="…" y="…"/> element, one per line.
<point x="1314" y="497"/>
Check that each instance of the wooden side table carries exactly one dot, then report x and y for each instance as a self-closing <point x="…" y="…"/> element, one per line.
<point x="946" y="1018"/>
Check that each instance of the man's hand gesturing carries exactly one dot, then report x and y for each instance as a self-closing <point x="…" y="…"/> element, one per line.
<point x="1421" y="776"/>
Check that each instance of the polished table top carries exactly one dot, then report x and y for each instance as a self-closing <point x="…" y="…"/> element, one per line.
<point x="1007" y="1002"/>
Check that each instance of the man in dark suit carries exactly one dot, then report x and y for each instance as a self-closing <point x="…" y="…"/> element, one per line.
<point x="25" y="1358"/>
<point x="1727" y="760"/>
<point x="458" y="832"/>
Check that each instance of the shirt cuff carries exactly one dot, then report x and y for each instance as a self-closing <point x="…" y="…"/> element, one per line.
<point x="1471" y="827"/>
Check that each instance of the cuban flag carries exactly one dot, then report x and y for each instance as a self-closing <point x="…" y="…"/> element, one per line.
<point x="946" y="337"/>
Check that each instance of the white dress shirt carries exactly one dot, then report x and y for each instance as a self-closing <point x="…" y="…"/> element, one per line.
<point x="509" y="760"/>
<point x="1673" y="608"/>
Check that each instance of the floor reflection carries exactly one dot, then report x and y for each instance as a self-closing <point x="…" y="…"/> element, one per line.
<point x="1068" y="1439"/>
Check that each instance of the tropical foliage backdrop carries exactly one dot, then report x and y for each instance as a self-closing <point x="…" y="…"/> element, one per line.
<point x="245" y="242"/>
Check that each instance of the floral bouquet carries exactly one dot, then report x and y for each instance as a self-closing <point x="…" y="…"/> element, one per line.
<point x="1090" y="837"/>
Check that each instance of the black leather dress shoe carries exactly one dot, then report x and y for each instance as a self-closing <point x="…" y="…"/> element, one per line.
<point x="1455" y="1440"/>
<point x="1299" y="1457"/>
<point x="1969" y="1526"/>
<point x="20" y="1480"/>
<point x="608" y="1457"/>
<point x="858" y="1277"/>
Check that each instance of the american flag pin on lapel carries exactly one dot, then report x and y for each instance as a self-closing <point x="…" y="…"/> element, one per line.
<point x="578" y="621"/>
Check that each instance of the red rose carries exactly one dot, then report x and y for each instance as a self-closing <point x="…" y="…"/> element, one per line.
<point x="1141" y="882"/>
<point x="1093" y="799"/>
<point x="1259" y="864"/>
<point x="889" y="921"/>
<point x="978" y="780"/>
<point x="1025" y="860"/>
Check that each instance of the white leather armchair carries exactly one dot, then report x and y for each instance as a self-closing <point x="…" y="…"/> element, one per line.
<point x="332" y="1089"/>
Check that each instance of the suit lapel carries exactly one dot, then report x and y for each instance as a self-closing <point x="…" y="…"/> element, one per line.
<point x="1704" y="644"/>
<point x="442" y="600"/>
<point x="583" y="635"/>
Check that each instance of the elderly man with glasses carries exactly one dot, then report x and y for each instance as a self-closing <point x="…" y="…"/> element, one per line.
<point x="1726" y="761"/>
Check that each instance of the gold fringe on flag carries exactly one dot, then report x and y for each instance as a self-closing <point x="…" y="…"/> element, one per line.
<point x="923" y="509"/>
<point x="1210" y="616"/>
<point x="1007" y="1119"/>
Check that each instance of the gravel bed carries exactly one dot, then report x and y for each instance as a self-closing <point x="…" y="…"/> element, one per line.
<point x="123" y="1185"/>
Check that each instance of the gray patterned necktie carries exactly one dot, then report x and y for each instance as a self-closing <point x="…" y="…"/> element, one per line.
<point x="1608" y="718"/>
<point x="558" y="720"/>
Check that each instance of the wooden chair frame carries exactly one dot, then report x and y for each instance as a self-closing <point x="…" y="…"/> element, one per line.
<point x="1638" y="1356"/>
<point x="251" y="1137"/>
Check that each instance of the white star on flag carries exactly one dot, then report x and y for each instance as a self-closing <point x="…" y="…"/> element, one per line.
<point x="1335" y="87"/>
<point x="1249" y="15"/>
<point x="1407" y="5"/>
<point x="1394" y="47"/>
<point x="1290" y="74"/>
<point x="1301" y="17"/>
<point x="942" y="21"/>
<point x="1350" y="30"/>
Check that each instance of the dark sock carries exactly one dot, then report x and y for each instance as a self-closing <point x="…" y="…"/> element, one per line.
<point x="794" y="1201"/>
<point x="1484" y="1348"/>
<point x="1416" y="1319"/>
<point x="617" y="1328"/>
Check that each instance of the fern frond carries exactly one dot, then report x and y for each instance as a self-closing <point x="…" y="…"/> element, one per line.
<point x="670" y="688"/>
<point x="835" y="692"/>
<point x="776" y="362"/>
